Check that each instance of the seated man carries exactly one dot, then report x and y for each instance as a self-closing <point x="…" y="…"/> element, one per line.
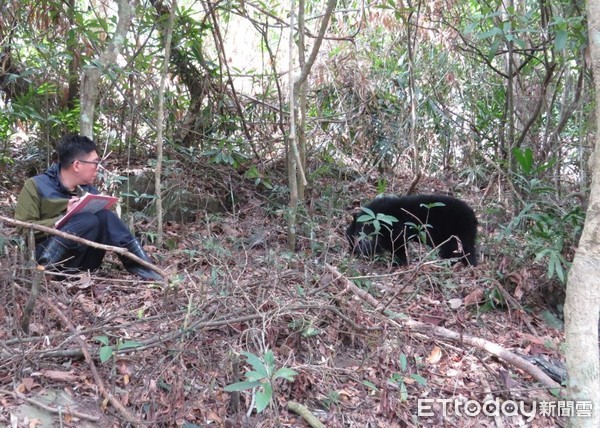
<point x="46" y="197"/>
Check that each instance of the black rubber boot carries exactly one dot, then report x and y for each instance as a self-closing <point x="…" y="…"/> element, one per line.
<point x="134" y="247"/>
<point x="53" y="252"/>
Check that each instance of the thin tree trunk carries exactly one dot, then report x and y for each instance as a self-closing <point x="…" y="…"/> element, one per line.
<point x="301" y="110"/>
<point x="91" y="75"/>
<point x="74" y="61"/>
<point x="305" y="71"/>
<point x="225" y="66"/>
<point x="582" y="305"/>
<point x="292" y="150"/>
<point x="160" y="122"/>
<point x="296" y="176"/>
<point x="413" y="99"/>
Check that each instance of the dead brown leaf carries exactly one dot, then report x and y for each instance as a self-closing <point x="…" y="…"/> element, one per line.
<point x="474" y="297"/>
<point x="34" y="423"/>
<point x="435" y="355"/>
<point x="519" y="293"/>
<point x="104" y="405"/>
<point x="85" y="281"/>
<point x="213" y="416"/>
<point x="60" y="375"/>
<point x="534" y="339"/>
<point x="432" y="319"/>
<point x="27" y="384"/>
<point x="124" y="399"/>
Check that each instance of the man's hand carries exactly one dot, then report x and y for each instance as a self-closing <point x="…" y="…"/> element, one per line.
<point x="72" y="203"/>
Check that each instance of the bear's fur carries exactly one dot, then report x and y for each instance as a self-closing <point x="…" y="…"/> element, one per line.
<point x="451" y="228"/>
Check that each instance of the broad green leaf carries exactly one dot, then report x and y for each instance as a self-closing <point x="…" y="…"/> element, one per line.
<point x="253" y="376"/>
<point x="419" y="379"/>
<point x="494" y="49"/>
<point x="389" y="219"/>
<point x="370" y="385"/>
<point x="105" y="353"/>
<point x="520" y="42"/>
<point x="403" y="392"/>
<point x="269" y="361"/>
<point x="433" y="205"/>
<point x="263" y="397"/>
<point x="256" y="363"/>
<point x="102" y="339"/>
<point x="286" y="373"/>
<point x="129" y="344"/>
<point x="560" y="40"/>
<point x="543" y="253"/>
<point x="560" y="273"/>
<point x="368" y="211"/>
<point x="403" y="362"/>
<point x="524" y="158"/>
<point x="310" y="332"/>
<point x="241" y="386"/>
<point x="491" y="33"/>
<point x="364" y="218"/>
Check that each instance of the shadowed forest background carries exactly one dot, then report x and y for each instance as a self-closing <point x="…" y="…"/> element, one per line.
<point x="492" y="103"/>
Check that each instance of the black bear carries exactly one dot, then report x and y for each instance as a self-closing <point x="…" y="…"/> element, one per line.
<point x="440" y="221"/>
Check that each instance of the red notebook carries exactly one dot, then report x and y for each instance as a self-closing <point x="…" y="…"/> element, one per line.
<point x="88" y="203"/>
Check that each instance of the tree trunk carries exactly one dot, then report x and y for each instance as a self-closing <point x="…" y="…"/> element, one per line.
<point x="91" y="76"/>
<point x="74" y="62"/>
<point x="291" y="144"/>
<point x="412" y="87"/>
<point x="160" y="122"/>
<point x="582" y="305"/>
<point x="301" y="108"/>
<point x="296" y="177"/>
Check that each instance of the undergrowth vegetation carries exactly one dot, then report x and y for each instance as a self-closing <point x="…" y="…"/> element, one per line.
<point x="245" y="329"/>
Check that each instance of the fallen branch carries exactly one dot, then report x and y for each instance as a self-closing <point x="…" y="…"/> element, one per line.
<point x="88" y="358"/>
<point x="305" y="413"/>
<point x="51" y="231"/>
<point x="66" y="409"/>
<point x="445" y="333"/>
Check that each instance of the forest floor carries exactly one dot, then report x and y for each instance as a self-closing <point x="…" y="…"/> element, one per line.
<point x="372" y="345"/>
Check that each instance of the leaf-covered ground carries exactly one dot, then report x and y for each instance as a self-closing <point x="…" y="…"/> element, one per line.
<point x="338" y="321"/>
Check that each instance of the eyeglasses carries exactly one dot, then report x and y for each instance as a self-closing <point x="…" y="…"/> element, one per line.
<point x="96" y="163"/>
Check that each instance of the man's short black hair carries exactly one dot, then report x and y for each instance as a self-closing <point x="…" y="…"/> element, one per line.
<point x="71" y="147"/>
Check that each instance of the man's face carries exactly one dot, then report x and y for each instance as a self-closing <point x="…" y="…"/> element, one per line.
<point x="86" y="167"/>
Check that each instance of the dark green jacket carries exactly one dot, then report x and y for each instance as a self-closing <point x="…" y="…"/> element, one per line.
<point x="43" y="199"/>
